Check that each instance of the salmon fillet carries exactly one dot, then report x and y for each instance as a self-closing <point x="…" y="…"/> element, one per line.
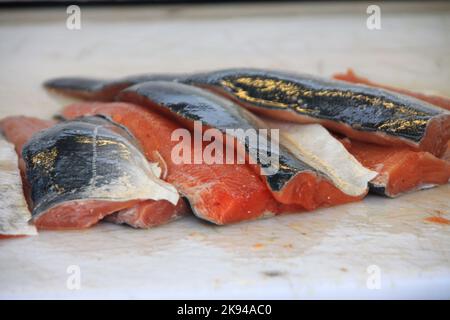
<point x="77" y="214"/>
<point x="290" y="179"/>
<point x="19" y="130"/>
<point x="219" y="193"/>
<point x="400" y="169"/>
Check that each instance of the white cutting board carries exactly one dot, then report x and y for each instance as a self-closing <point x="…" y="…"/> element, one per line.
<point x="329" y="253"/>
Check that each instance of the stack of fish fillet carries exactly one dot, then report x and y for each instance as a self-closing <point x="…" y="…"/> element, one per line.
<point x="115" y="154"/>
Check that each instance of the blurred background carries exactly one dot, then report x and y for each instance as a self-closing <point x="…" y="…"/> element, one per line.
<point x="39" y="40"/>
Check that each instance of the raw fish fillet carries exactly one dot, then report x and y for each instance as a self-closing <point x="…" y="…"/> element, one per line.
<point x="219" y="193"/>
<point x="400" y="169"/>
<point x="82" y="170"/>
<point x="290" y="179"/>
<point x="20" y="129"/>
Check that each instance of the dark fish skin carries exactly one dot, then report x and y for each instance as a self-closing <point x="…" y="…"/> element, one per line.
<point x="99" y="89"/>
<point x="361" y="112"/>
<point x="380" y="190"/>
<point x="73" y="159"/>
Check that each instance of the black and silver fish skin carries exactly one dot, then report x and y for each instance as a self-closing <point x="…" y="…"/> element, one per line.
<point x="361" y="107"/>
<point x="87" y="158"/>
<point x="191" y="103"/>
